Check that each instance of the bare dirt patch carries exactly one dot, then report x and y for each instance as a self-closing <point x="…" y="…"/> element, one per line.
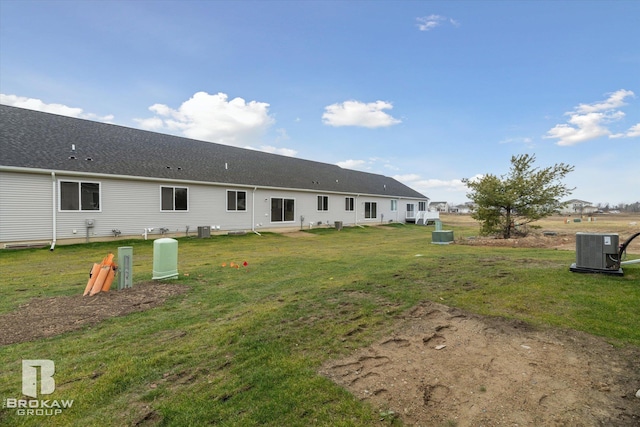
<point x="443" y="366"/>
<point x="46" y="317"/>
<point x="561" y="241"/>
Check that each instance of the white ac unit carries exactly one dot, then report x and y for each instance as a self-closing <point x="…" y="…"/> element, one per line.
<point x="597" y="253"/>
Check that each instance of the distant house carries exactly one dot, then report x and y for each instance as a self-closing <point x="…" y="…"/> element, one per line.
<point x="461" y="209"/>
<point x="66" y="179"/>
<point x="577" y="207"/>
<point x="439" y="206"/>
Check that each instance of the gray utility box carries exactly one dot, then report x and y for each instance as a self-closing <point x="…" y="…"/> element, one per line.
<point x="125" y="267"/>
<point x="596" y="252"/>
<point x="204" y="232"/>
<point x="442" y="237"/>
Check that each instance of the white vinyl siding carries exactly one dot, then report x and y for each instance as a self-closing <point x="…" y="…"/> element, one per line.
<point x="26" y="204"/>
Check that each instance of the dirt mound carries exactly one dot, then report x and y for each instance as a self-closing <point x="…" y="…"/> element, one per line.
<point x="443" y="366"/>
<point x="45" y="317"/>
<point x="533" y="240"/>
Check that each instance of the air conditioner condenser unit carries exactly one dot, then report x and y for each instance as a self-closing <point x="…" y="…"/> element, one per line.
<point x="597" y="253"/>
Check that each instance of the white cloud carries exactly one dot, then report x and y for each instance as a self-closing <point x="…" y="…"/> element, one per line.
<point x="356" y="113"/>
<point x="411" y="177"/>
<point x="634" y="131"/>
<point x="428" y="23"/>
<point x="371" y="164"/>
<point x="39" y="105"/>
<point x="275" y="150"/>
<point x="615" y="100"/>
<point x="453" y="185"/>
<point x="352" y="164"/>
<point x="213" y="118"/>
<point x="589" y="121"/>
<point x="437" y="189"/>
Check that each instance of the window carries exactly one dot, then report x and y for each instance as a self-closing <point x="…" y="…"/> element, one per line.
<point x="370" y="210"/>
<point x="394" y="205"/>
<point x="236" y="200"/>
<point x="174" y="198"/>
<point x="282" y="210"/>
<point x="349" y="204"/>
<point x="79" y="196"/>
<point x="422" y="206"/>
<point x="323" y="203"/>
<point x="410" y="207"/>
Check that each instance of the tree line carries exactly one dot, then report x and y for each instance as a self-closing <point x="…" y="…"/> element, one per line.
<point x="620" y="207"/>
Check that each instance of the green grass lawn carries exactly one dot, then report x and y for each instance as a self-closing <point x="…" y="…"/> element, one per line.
<point x="243" y="346"/>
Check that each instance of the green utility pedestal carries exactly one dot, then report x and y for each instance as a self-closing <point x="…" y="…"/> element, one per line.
<point x="442" y="237"/>
<point x="125" y="267"/>
<point x="165" y="259"/>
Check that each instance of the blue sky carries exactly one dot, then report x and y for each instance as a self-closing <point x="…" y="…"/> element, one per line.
<point x="427" y="92"/>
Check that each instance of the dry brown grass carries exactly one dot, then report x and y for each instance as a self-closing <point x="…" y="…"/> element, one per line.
<point x="565" y="227"/>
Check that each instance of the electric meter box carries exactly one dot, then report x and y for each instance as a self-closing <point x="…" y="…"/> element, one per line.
<point x="596" y="252"/>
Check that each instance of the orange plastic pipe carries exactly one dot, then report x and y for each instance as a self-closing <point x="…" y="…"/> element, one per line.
<point x="109" y="280"/>
<point x="92" y="278"/>
<point x="108" y="260"/>
<point x="97" y="286"/>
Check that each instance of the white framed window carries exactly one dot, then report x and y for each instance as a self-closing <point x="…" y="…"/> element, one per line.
<point x="422" y="206"/>
<point x="174" y="199"/>
<point x="394" y="206"/>
<point x="370" y="210"/>
<point x="323" y="203"/>
<point x="79" y="196"/>
<point x="349" y="204"/>
<point x="236" y="201"/>
<point x="283" y="210"/>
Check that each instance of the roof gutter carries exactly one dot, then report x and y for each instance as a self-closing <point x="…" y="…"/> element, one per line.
<point x="53" y="211"/>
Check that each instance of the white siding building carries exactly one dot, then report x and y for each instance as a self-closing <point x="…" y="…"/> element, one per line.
<point x="67" y="179"/>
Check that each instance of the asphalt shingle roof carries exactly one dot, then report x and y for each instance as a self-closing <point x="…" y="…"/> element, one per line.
<point x="31" y="139"/>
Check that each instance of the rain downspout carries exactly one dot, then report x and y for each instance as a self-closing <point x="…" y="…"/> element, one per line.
<point x="357" y="204"/>
<point x="253" y="211"/>
<point x="53" y="210"/>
